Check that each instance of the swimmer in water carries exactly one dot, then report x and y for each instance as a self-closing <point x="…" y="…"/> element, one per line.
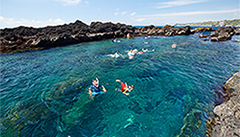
<point x="143" y="51"/>
<point x="114" y="40"/>
<point x="131" y="45"/>
<point x="174" y="45"/>
<point x="131" y="54"/>
<point x="125" y="88"/>
<point x="135" y="51"/>
<point x="117" y="54"/>
<point x="94" y="89"/>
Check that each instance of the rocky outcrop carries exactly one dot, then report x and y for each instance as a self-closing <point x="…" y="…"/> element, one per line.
<point x="226" y="122"/>
<point x="29" y="38"/>
<point x="167" y="30"/>
<point x="221" y="34"/>
<point x="203" y="29"/>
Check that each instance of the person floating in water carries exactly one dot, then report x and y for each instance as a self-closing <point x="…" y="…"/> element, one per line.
<point x="131" y="54"/>
<point x="131" y="45"/>
<point x="117" y="54"/>
<point x="114" y="40"/>
<point x="135" y="51"/>
<point x="143" y="51"/>
<point x="125" y="88"/>
<point x="128" y="35"/>
<point x="94" y="89"/>
<point x="174" y="45"/>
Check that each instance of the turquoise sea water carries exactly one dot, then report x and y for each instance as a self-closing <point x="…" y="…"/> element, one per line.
<point x="44" y="93"/>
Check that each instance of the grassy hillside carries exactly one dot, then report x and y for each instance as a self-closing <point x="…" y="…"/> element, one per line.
<point x="235" y="22"/>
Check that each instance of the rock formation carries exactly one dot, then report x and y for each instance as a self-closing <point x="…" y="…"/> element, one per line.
<point x="226" y="122"/>
<point x="223" y="34"/>
<point x="29" y="38"/>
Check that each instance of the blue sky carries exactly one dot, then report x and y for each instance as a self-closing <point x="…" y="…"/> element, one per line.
<point x="40" y="13"/>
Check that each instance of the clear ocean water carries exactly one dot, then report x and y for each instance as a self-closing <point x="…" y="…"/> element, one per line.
<point x="44" y="93"/>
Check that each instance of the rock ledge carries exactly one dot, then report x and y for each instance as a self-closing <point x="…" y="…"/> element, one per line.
<point x="226" y="122"/>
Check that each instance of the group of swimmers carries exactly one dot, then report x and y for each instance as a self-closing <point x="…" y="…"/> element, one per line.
<point x="97" y="89"/>
<point x="131" y="53"/>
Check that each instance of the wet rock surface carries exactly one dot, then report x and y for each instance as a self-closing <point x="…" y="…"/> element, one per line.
<point x="226" y="122"/>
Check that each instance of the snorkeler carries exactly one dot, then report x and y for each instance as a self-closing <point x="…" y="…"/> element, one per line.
<point x="143" y="51"/>
<point x="135" y="51"/>
<point x="114" y="40"/>
<point x="128" y="35"/>
<point x="95" y="88"/>
<point x="131" y="45"/>
<point x="131" y="54"/>
<point x="125" y="88"/>
<point x="117" y="54"/>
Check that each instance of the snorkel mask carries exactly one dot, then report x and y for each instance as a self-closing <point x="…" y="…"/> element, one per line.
<point x="129" y="87"/>
<point x="96" y="82"/>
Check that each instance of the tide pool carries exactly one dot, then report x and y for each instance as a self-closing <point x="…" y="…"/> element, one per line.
<point x="44" y="93"/>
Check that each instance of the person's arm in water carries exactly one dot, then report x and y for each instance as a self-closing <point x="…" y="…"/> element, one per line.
<point x="119" y="81"/>
<point x="89" y="91"/>
<point x="104" y="89"/>
<point x="125" y="92"/>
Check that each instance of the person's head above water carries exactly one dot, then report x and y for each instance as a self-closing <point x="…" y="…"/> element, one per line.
<point x="95" y="82"/>
<point x="130" y="87"/>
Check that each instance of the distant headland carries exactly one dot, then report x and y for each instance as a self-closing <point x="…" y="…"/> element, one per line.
<point x="235" y="22"/>
<point x="28" y="38"/>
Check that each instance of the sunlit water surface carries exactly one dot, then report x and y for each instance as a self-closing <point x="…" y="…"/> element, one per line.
<point x="44" y="93"/>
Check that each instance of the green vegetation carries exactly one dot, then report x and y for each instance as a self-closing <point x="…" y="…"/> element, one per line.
<point x="235" y="22"/>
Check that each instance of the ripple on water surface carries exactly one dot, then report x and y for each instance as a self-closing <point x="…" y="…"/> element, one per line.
<point x="44" y="93"/>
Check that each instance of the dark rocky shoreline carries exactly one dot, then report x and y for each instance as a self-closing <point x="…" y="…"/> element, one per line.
<point x="29" y="38"/>
<point x="226" y="122"/>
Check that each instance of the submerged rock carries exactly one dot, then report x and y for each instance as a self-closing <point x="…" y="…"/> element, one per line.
<point x="24" y="118"/>
<point x="191" y="122"/>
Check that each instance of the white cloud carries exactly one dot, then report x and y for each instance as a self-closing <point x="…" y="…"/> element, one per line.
<point x="120" y="13"/>
<point x="70" y="2"/>
<point x="86" y="2"/>
<point x="178" y="3"/>
<point x="191" y="13"/>
<point x="182" y="17"/>
<point x="123" y="13"/>
<point x="11" y="22"/>
<point x="132" y="14"/>
<point x="140" y="19"/>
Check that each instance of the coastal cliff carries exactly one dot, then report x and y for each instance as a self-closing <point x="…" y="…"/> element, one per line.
<point x="28" y="38"/>
<point x="226" y="122"/>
